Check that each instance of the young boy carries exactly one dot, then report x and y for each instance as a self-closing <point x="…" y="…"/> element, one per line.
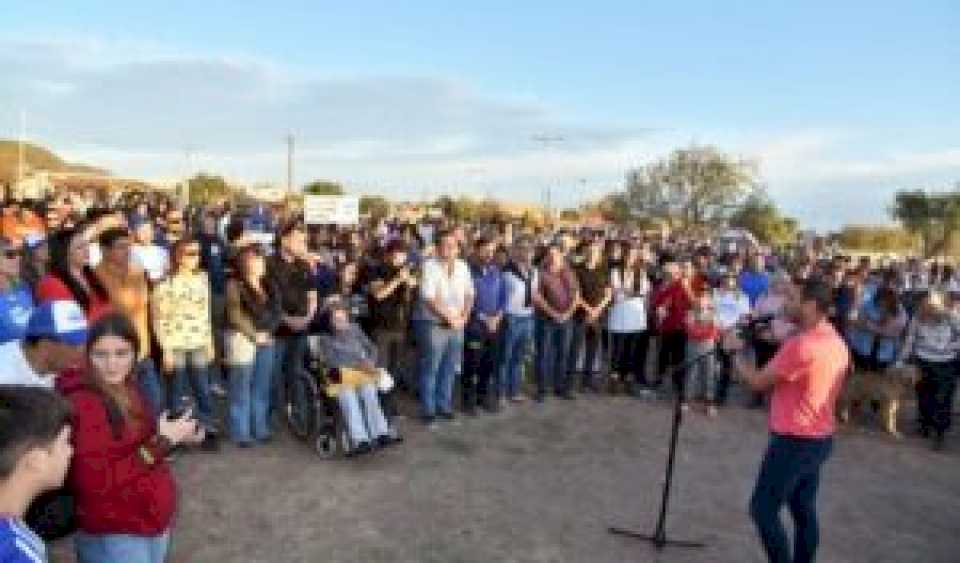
<point x="702" y="334"/>
<point x="35" y="453"/>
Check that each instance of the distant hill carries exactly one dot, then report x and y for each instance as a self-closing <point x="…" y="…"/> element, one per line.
<point x="36" y="157"/>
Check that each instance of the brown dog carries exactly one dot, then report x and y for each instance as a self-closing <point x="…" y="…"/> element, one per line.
<point x="886" y="388"/>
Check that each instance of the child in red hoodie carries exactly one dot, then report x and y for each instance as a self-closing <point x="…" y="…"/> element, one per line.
<point x="702" y="333"/>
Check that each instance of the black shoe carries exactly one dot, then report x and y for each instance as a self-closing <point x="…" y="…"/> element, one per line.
<point x="427" y="420"/>
<point x="938" y="441"/>
<point x="566" y="396"/>
<point x="447" y="416"/>
<point x="539" y="398"/>
<point x="924" y="431"/>
<point x="387" y="440"/>
<point x="469" y="410"/>
<point x="210" y="443"/>
<point x="244" y="445"/>
<point x="362" y="448"/>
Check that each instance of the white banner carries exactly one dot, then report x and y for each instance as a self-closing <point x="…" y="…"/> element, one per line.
<point x="331" y="209"/>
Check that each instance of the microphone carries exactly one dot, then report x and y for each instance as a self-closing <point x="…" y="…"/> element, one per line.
<point x="764" y="319"/>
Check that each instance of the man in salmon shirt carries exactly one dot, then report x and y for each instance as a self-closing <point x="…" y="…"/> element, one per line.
<point x="806" y="375"/>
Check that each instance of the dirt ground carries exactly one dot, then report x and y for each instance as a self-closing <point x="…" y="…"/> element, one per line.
<point x="543" y="483"/>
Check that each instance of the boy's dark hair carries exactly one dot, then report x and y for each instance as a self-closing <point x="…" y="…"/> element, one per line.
<point x="30" y="417"/>
<point x="112" y="235"/>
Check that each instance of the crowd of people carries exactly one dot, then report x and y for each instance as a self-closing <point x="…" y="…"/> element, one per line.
<point x="122" y="323"/>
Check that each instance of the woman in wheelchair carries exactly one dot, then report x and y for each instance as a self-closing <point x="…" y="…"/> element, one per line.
<point x="354" y="377"/>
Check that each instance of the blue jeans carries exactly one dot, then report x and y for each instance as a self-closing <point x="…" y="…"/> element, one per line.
<point x="121" y="548"/>
<point x="290" y="353"/>
<point x="148" y="380"/>
<point x="191" y="379"/>
<point x="789" y="474"/>
<point x="553" y="348"/>
<point x="250" y="397"/>
<point x="441" y="353"/>
<point x="517" y="337"/>
<point x="361" y="409"/>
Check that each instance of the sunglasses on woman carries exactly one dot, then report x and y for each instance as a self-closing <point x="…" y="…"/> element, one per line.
<point x="11" y="253"/>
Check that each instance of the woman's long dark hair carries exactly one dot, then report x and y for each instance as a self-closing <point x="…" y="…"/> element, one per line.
<point x="117" y="402"/>
<point x="60" y="267"/>
<point x="252" y="297"/>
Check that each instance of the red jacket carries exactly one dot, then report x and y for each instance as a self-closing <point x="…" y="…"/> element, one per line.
<point x="677" y="303"/>
<point x="115" y="490"/>
<point x="52" y="288"/>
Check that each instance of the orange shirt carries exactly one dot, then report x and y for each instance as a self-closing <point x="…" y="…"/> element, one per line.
<point x="130" y="294"/>
<point x="810" y="368"/>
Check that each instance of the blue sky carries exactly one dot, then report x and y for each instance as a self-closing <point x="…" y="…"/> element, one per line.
<point x="840" y="102"/>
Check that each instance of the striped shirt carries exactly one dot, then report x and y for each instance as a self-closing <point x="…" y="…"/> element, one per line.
<point x="18" y="543"/>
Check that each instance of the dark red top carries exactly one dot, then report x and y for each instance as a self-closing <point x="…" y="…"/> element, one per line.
<point x="52" y="288"/>
<point x="115" y="490"/>
<point x="677" y="302"/>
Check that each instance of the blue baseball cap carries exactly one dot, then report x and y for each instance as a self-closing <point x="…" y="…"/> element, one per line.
<point x="62" y="321"/>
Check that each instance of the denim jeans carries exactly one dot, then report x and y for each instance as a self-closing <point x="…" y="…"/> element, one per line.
<point x="628" y="355"/>
<point x="517" y="337"/>
<point x="361" y="409"/>
<point x="553" y="348"/>
<point x="290" y="354"/>
<point x="590" y="338"/>
<point x="789" y="474"/>
<point x="191" y="378"/>
<point x="250" y="397"/>
<point x="121" y="548"/>
<point x="701" y="372"/>
<point x="148" y="379"/>
<point x="441" y="353"/>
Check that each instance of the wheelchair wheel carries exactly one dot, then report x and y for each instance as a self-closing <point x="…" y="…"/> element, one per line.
<point x="302" y="408"/>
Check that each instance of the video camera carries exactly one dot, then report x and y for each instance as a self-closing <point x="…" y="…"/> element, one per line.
<point x="749" y="331"/>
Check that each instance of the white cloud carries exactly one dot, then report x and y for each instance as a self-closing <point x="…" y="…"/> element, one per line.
<point x="139" y="107"/>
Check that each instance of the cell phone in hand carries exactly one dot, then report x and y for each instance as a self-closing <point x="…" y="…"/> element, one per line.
<point x="183" y="406"/>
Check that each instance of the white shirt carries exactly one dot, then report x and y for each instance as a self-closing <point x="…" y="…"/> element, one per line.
<point x="629" y="310"/>
<point x="153" y="259"/>
<point x="730" y="307"/>
<point x="16" y="370"/>
<point x="517" y="293"/>
<point x="452" y="292"/>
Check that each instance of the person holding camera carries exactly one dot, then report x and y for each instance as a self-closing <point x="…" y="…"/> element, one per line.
<point x="392" y="291"/>
<point x="123" y="489"/>
<point x="806" y="376"/>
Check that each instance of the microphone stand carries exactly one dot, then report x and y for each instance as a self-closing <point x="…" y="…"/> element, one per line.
<point x="659" y="537"/>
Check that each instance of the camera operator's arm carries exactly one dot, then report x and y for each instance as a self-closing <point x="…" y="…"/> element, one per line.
<point x="758" y="379"/>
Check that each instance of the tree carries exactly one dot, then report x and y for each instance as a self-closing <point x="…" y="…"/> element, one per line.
<point x="323" y="187"/>
<point x="571" y="215"/>
<point x="207" y="188"/>
<point x="692" y="187"/>
<point x="377" y="207"/>
<point x="760" y="216"/>
<point x="614" y="208"/>
<point x="933" y="216"/>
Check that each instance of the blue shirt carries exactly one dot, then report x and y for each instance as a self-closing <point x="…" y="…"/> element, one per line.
<point x="16" y="305"/>
<point x="18" y="544"/>
<point x="754" y="284"/>
<point x="884" y="349"/>
<point x="489" y="293"/>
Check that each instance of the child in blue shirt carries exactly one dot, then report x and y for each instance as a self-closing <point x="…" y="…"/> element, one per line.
<point x="35" y="453"/>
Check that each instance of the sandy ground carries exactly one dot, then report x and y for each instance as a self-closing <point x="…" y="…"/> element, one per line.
<point x="543" y="483"/>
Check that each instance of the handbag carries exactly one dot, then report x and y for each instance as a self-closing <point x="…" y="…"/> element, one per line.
<point x="240" y="349"/>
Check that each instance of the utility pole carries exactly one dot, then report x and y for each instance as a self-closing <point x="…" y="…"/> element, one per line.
<point x="20" y="150"/>
<point x="290" y="164"/>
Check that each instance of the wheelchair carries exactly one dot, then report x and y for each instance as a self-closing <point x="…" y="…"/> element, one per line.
<point x="313" y="413"/>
